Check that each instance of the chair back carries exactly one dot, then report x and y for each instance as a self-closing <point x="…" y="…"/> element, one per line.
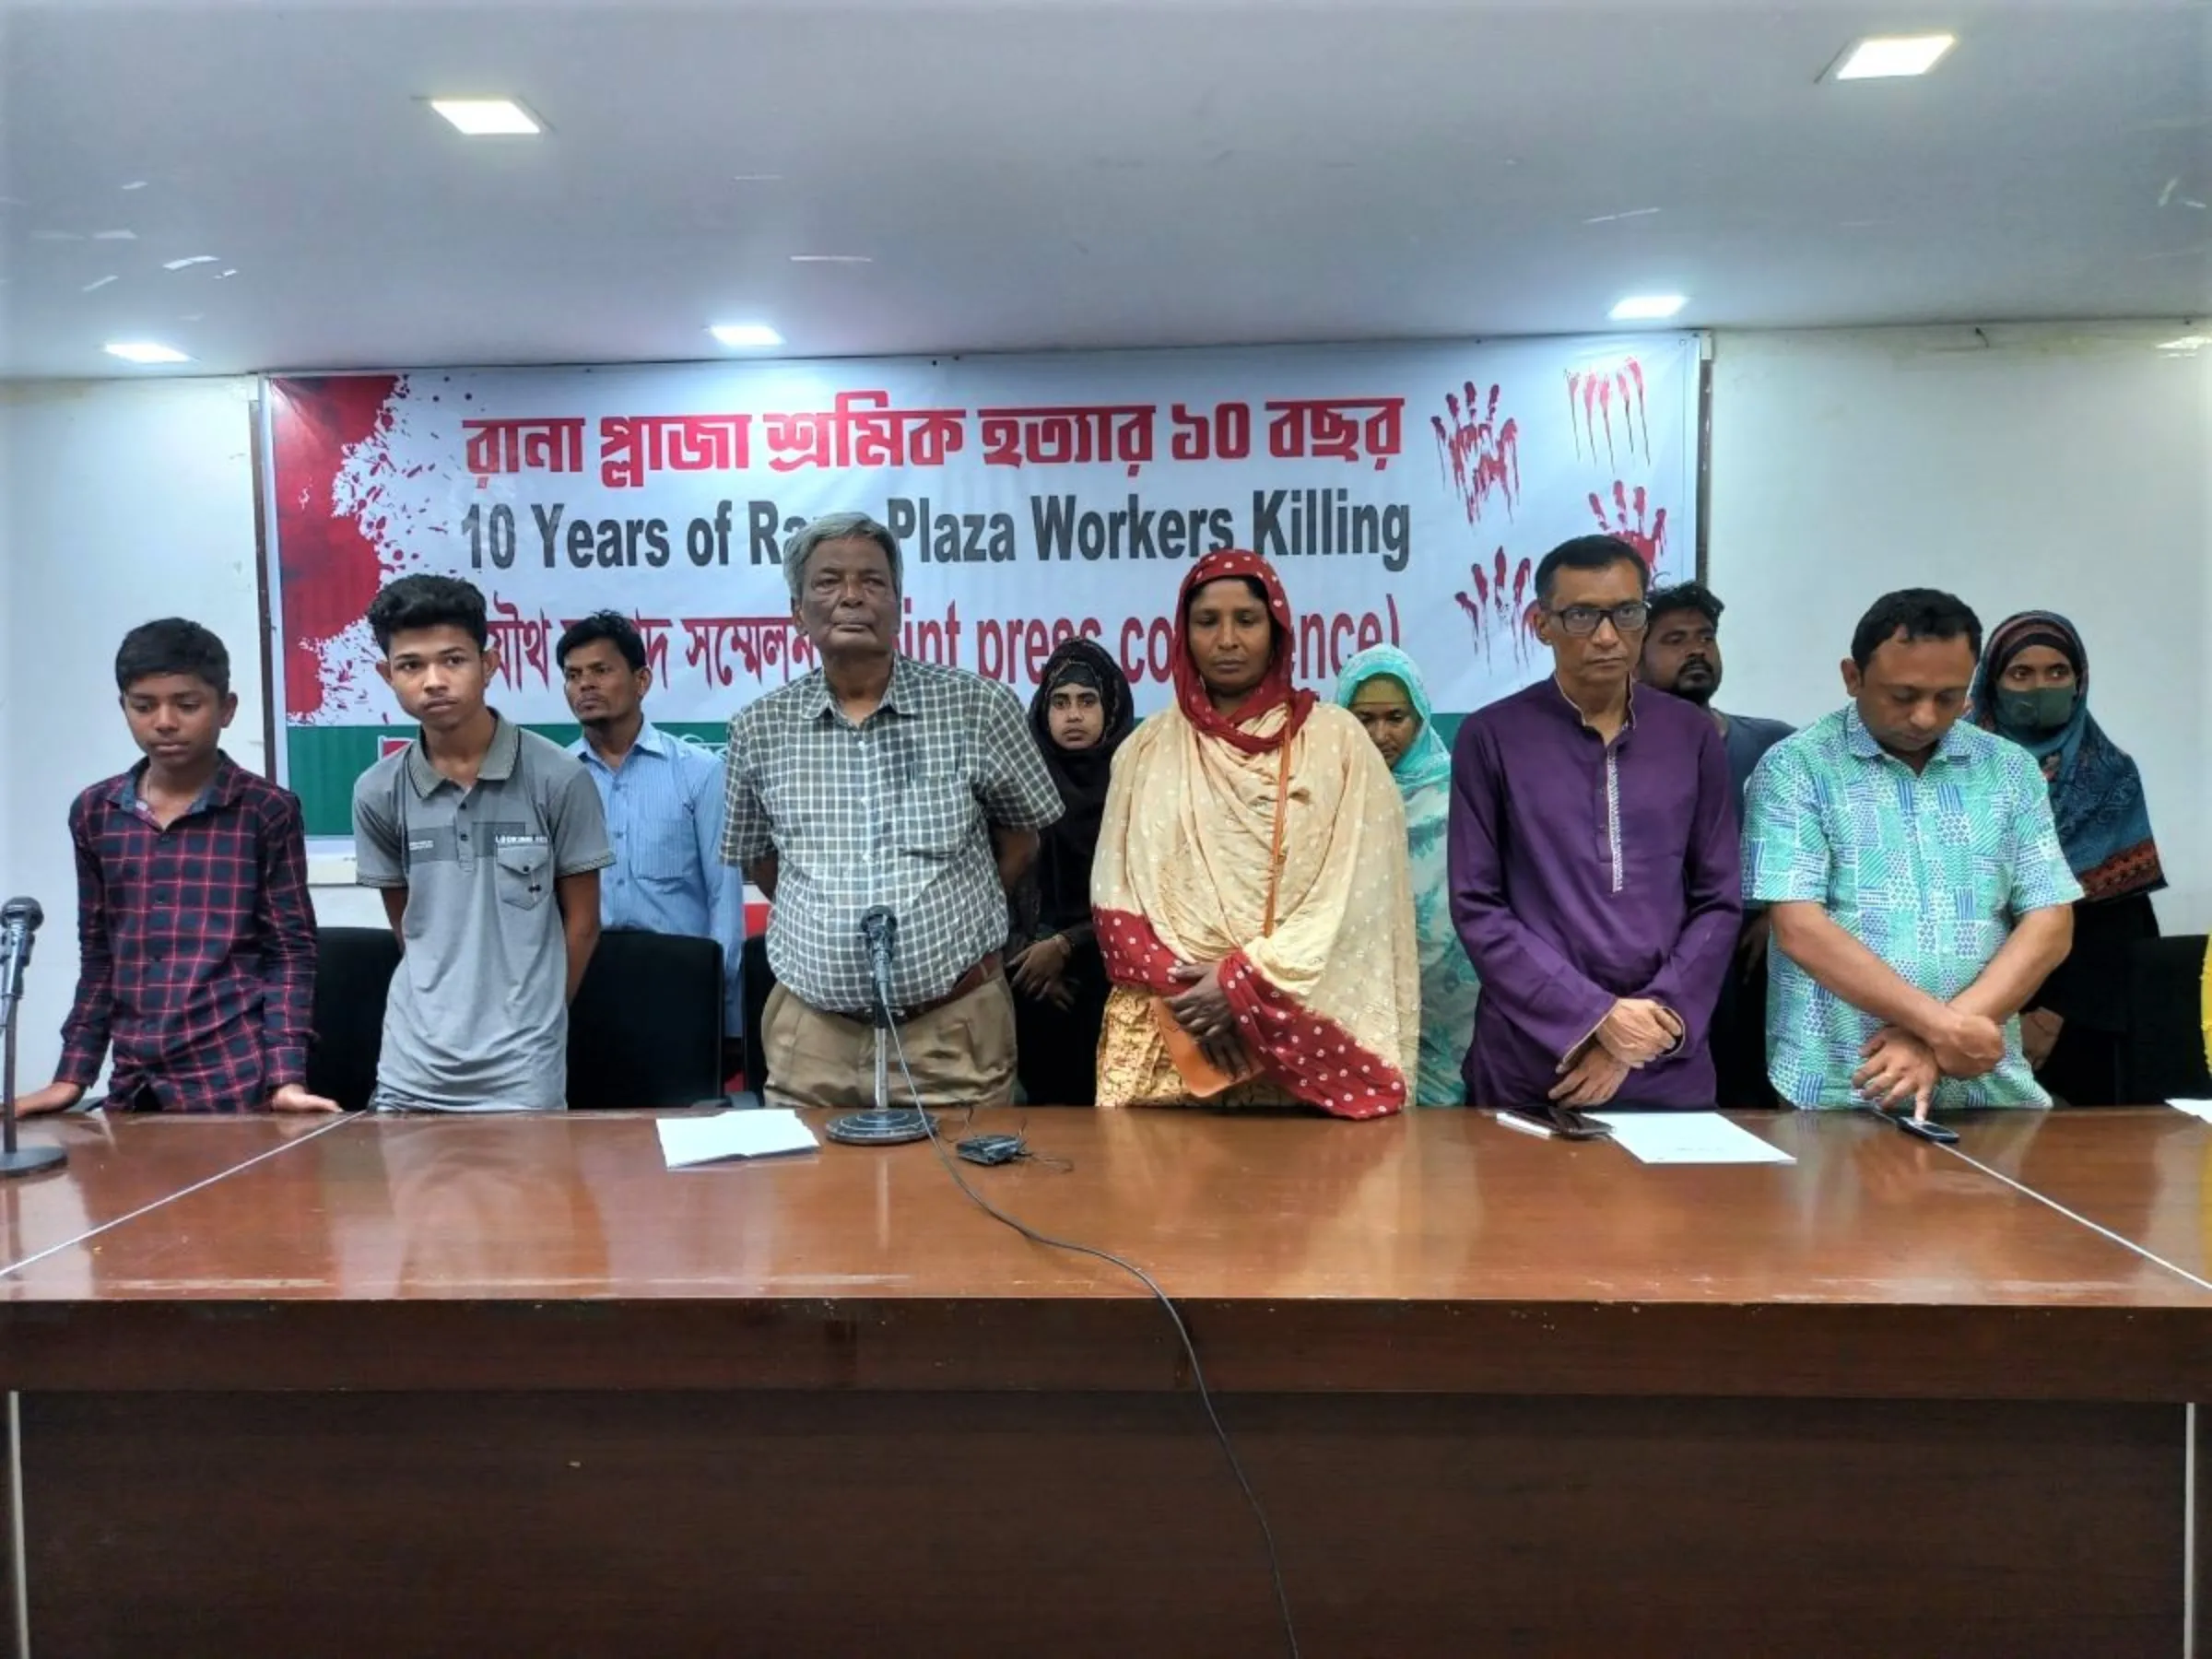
<point x="646" y="1030"/>
<point x="353" y="977"/>
<point x="2165" y="1056"/>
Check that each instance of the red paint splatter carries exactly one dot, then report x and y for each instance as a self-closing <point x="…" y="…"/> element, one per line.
<point x="1629" y="521"/>
<point x="1489" y="609"/>
<point x="1590" y="398"/>
<point x="1480" y="454"/>
<point x="1450" y="460"/>
<point x="327" y="562"/>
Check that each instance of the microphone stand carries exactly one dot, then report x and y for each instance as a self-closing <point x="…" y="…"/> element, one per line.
<point x="887" y="1125"/>
<point x="14" y="1159"/>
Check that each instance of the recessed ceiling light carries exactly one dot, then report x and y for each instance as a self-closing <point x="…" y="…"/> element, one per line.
<point x="1880" y="56"/>
<point x="1647" y="308"/>
<point x="746" y="334"/>
<point x="144" y="351"/>
<point x="833" y="259"/>
<point x="487" y="117"/>
<point x="99" y="282"/>
<point x="178" y="265"/>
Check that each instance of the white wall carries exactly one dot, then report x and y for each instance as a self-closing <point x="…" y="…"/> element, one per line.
<point x="8" y="705"/>
<point x="130" y="501"/>
<point x="2059" y="468"/>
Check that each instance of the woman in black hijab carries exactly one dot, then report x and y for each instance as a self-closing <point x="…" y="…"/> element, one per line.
<point x="1080" y="716"/>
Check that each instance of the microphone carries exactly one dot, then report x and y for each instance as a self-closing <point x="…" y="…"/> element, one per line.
<point x="19" y="920"/>
<point x="886" y="1125"/>
<point x="879" y="931"/>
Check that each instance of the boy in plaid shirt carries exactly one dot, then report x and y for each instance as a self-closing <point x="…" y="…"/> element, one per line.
<point x="196" y="936"/>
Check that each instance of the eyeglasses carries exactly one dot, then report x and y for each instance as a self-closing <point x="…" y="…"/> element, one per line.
<point x="1581" y="619"/>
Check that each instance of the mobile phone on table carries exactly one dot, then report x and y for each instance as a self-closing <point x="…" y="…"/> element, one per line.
<point x="1928" y="1129"/>
<point x="1564" y="1122"/>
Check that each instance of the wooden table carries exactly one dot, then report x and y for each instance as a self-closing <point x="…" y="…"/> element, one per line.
<point x="509" y="1386"/>
<point x="112" y="1176"/>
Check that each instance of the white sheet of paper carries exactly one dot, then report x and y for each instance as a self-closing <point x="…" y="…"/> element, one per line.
<point x="687" y="1143"/>
<point x="2195" y="1109"/>
<point x="1700" y="1137"/>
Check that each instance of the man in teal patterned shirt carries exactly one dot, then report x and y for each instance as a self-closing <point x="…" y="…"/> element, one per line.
<point x="1918" y="890"/>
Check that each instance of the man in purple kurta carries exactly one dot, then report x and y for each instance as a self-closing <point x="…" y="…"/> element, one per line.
<point x="1595" y="865"/>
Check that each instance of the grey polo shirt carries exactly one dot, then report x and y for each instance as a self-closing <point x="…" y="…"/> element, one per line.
<point x="477" y="1019"/>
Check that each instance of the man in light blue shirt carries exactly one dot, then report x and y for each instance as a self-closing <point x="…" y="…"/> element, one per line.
<point x="1920" y="894"/>
<point x="664" y="801"/>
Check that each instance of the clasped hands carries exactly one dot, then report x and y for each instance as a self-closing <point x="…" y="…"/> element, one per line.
<point x="1905" y="1066"/>
<point x="1635" y="1032"/>
<point x="1203" y="1009"/>
<point x="1040" y="970"/>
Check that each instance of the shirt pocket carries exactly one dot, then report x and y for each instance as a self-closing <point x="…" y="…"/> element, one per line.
<point x="668" y="853"/>
<point x="935" y="817"/>
<point x="523" y="874"/>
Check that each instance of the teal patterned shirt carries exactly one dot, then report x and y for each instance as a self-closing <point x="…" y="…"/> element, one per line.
<point x="1927" y="871"/>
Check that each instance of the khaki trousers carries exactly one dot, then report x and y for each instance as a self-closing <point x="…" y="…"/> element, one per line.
<point x="961" y="1055"/>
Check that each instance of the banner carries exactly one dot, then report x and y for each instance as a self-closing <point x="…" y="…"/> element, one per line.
<point x="1404" y="492"/>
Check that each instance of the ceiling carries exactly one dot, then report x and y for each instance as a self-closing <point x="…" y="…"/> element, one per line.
<point x="1055" y="173"/>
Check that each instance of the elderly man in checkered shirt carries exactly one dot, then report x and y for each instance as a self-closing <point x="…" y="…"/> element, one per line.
<point x="879" y="780"/>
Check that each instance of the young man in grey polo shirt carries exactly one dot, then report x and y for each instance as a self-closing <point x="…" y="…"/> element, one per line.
<point x="486" y="841"/>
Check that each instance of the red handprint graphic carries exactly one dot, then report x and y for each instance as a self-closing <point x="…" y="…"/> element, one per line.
<point x="1591" y="395"/>
<point x="1476" y="452"/>
<point x="1496" y="605"/>
<point x="1627" y="523"/>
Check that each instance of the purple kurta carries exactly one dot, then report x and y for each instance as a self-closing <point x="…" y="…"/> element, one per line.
<point x="1582" y="872"/>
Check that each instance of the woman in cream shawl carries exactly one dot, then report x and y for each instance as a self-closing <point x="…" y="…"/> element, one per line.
<point x="1327" y="1004"/>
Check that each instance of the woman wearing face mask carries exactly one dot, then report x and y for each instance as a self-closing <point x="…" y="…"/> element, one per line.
<point x="1382" y="688"/>
<point x="2033" y="687"/>
<point x="1080" y="716"/>
<point x="1251" y="888"/>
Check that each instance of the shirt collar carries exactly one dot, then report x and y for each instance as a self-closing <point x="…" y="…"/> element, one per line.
<point x="498" y="759"/>
<point x="649" y="741"/>
<point x="900" y="697"/>
<point x="1955" y="745"/>
<point x="223" y="788"/>
<point x="1628" y="722"/>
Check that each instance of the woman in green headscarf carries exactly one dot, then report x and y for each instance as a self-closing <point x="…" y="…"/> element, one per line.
<point x="1384" y="688"/>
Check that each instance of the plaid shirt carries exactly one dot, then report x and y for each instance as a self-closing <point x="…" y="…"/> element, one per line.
<point x="896" y="811"/>
<point x="197" y="942"/>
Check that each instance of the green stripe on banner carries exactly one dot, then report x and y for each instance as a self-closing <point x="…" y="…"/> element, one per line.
<point x="324" y="761"/>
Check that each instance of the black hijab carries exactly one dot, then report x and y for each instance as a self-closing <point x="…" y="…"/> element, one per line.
<point x="1065" y="857"/>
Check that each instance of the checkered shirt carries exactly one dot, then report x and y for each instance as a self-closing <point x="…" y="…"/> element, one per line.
<point x="197" y="945"/>
<point x="896" y="811"/>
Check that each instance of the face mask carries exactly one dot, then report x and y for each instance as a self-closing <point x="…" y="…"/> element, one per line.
<point x="2046" y="709"/>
